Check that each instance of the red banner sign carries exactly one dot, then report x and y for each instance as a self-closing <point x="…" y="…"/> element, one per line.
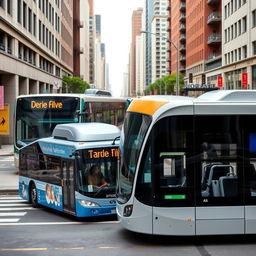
<point x="244" y="78"/>
<point x="220" y="81"/>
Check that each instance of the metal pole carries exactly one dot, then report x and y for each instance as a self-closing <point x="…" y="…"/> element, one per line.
<point x="177" y="70"/>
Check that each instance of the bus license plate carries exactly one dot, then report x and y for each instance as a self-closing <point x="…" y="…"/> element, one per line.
<point x="113" y="211"/>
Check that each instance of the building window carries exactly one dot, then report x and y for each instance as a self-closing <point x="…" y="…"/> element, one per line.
<point x="40" y="30"/>
<point x="9" y="6"/>
<point x="254" y="18"/>
<point x="34" y="25"/>
<point x="24" y="15"/>
<point x="29" y="20"/>
<point x="244" y="24"/>
<point x="19" y="11"/>
<point x="239" y="54"/>
<point x="245" y="51"/>
<point x="254" y="47"/>
<point x="2" y="3"/>
<point x="254" y="77"/>
<point x="239" y="28"/>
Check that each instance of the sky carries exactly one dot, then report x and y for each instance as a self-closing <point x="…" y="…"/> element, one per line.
<point x="116" y="22"/>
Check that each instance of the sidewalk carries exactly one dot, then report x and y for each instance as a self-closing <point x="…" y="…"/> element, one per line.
<point x="8" y="173"/>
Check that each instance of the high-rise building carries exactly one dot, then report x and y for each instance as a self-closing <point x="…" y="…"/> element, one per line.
<point x="177" y="34"/>
<point x="159" y="43"/>
<point x="203" y="33"/>
<point x="36" y="48"/>
<point x="136" y="30"/>
<point x="149" y="12"/>
<point x="92" y="36"/>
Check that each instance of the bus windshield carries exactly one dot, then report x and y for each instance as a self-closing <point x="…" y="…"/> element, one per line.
<point x="36" y="117"/>
<point x="133" y="134"/>
<point x="96" y="174"/>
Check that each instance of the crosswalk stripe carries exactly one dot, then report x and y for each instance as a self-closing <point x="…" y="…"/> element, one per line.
<point x="12" y="214"/>
<point x="18" y="209"/>
<point x="9" y="220"/>
<point x="10" y="205"/>
<point x="12" y="201"/>
<point x="10" y="198"/>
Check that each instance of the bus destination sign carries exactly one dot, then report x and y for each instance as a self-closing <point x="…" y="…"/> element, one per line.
<point x="51" y="104"/>
<point x="102" y="153"/>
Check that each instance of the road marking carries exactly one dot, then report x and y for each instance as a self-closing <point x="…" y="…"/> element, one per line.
<point x="10" y="197"/>
<point x="108" y="247"/>
<point x="12" y="201"/>
<point x="25" y="249"/>
<point x="10" y="205"/>
<point x="72" y="248"/>
<point x="55" y="223"/>
<point x="6" y="221"/>
<point x="18" y="209"/>
<point x="12" y="214"/>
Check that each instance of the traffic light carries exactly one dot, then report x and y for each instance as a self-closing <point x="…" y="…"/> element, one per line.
<point x="190" y="78"/>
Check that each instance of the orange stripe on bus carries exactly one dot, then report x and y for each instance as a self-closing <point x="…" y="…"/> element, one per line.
<point x="148" y="107"/>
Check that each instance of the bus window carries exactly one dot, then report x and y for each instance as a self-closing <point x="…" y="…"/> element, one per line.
<point x="220" y="169"/>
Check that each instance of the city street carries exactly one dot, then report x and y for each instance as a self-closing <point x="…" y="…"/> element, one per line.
<point x="25" y="230"/>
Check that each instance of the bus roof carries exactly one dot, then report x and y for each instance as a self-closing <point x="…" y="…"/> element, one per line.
<point x="86" y="132"/>
<point x="78" y="95"/>
<point x="150" y="104"/>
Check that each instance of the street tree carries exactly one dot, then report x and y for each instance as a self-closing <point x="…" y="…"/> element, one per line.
<point x="74" y="84"/>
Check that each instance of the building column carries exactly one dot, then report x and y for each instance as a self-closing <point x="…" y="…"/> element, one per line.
<point x="33" y="87"/>
<point x="23" y="86"/>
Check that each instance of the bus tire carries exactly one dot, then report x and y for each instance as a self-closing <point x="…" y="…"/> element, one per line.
<point x="33" y="195"/>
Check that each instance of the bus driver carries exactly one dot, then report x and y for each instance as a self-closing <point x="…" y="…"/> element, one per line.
<point x="95" y="178"/>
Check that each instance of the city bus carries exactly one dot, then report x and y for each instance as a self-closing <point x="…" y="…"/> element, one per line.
<point x="188" y="165"/>
<point x="37" y="115"/>
<point x="74" y="171"/>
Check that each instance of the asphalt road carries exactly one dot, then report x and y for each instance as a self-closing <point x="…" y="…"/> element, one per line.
<point x="26" y="231"/>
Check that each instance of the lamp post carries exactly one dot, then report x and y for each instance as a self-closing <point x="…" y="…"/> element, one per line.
<point x="177" y="56"/>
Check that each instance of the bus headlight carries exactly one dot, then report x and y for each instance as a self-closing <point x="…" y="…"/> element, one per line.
<point x="128" y="210"/>
<point x="86" y="203"/>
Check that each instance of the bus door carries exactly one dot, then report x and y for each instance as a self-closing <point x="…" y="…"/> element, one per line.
<point x="173" y="176"/>
<point x="219" y="175"/>
<point x="68" y="186"/>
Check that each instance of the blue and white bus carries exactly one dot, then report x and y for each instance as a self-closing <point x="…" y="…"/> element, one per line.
<point x="55" y="171"/>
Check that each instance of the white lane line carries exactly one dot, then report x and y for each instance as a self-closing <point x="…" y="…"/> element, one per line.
<point x="8" y="221"/>
<point x="12" y="201"/>
<point x="56" y="223"/>
<point x="10" y="198"/>
<point x="12" y="214"/>
<point x="18" y="209"/>
<point x="10" y="205"/>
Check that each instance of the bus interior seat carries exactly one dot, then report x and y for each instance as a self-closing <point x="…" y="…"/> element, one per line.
<point x="228" y="186"/>
<point x="213" y="171"/>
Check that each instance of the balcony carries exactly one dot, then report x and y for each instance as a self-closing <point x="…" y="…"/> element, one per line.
<point x="213" y="2"/>
<point x="168" y="8"/>
<point x="214" y="39"/>
<point x="182" y="58"/>
<point x="168" y="60"/>
<point x="213" y="57"/>
<point x="182" y="37"/>
<point x="81" y="24"/>
<point x="81" y="50"/>
<point x="182" y="27"/>
<point x="168" y="29"/>
<point x="182" y="6"/>
<point x="182" y="48"/>
<point x="2" y="47"/>
<point x="213" y="18"/>
<point x="182" y="68"/>
<point x="182" y="17"/>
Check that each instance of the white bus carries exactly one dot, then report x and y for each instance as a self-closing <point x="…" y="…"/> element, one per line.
<point x="74" y="171"/>
<point x="188" y="165"/>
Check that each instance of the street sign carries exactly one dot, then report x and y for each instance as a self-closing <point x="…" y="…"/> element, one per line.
<point x="4" y="120"/>
<point x="1" y="97"/>
<point x="220" y="81"/>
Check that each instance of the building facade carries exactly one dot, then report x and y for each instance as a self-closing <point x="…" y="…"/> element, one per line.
<point x="36" y="48"/>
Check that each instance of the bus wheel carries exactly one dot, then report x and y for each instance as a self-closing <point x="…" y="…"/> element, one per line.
<point x="33" y="195"/>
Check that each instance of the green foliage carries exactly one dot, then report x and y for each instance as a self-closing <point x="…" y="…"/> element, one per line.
<point x="166" y="85"/>
<point x="74" y="84"/>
